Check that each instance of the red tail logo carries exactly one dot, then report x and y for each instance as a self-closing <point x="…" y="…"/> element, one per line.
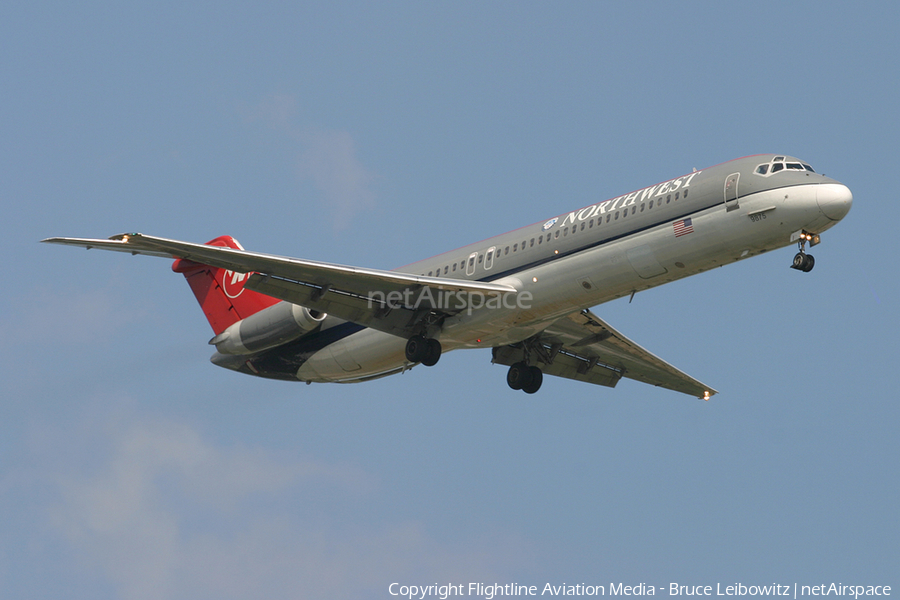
<point x="221" y="292"/>
<point x="233" y="283"/>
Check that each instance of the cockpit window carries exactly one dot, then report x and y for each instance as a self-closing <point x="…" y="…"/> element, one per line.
<point x="780" y="163"/>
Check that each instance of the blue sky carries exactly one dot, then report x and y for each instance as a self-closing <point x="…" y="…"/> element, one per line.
<point x="376" y="134"/>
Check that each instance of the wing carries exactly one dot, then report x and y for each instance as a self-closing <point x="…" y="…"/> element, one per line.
<point x="581" y="346"/>
<point x="384" y="300"/>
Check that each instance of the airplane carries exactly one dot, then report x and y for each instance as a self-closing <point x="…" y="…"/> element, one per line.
<point x="525" y="294"/>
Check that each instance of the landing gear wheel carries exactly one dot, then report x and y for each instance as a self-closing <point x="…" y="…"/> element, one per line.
<point x="518" y="376"/>
<point x="416" y="348"/>
<point x="803" y="262"/>
<point x="537" y="378"/>
<point x="810" y="263"/>
<point x="433" y="353"/>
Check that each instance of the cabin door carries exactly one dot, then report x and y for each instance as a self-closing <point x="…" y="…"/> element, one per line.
<point x="731" y="191"/>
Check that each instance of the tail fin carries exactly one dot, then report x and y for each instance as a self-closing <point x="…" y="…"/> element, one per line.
<point x="221" y="293"/>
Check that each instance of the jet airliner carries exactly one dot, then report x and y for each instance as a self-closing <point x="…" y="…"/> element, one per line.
<point x="525" y="295"/>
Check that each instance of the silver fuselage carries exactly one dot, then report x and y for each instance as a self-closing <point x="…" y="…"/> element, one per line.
<point x="597" y="253"/>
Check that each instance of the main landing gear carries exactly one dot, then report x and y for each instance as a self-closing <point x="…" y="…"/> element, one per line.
<point x="522" y="377"/>
<point x="803" y="261"/>
<point x="420" y="349"/>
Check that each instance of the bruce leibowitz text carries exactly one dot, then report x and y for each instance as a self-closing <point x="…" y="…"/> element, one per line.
<point x="490" y="591"/>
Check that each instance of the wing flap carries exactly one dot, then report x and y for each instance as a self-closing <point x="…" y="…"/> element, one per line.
<point x="398" y="320"/>
<point x="591" y="350"/>
<point x="565" y="364"/>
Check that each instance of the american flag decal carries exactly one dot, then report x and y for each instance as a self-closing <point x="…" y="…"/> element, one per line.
<point x="683" y="227"/>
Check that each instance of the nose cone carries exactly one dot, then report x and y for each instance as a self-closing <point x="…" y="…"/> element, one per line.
<point x="834" y="200"/>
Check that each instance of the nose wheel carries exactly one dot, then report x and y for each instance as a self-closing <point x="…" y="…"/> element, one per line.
<point x="803" y="261"/>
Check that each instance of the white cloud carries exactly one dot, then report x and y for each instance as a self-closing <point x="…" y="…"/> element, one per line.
<point x="277" y="111"/>
<point x="327" y="158"/>
<point x="330" y="161"/>
<point x="166" y="513"/>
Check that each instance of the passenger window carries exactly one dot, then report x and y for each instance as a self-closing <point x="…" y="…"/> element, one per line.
<point x="668" y="198"/>
<point x="531" y="245"/>
<point x="651" y="204"/>
<point x="642" y="207"/>
<point x="565" y="232"/>
<point x="677" y="194"/>
<point x="429" y="273"/>
<point x="506" y="251"/>
<point x="591" y="224"/>
<point x="540" y="240"/>
<point x="617" y="215"/>
<point x="445" y="270"/>
<point x="454" y="266"/>
<point x="607" y="218"/>
<point x="479" y="258"/>
<point x="685" y="193"/>
<point x="582" y="225"/>
<point x="557" y="234"/>
<point x="515" y="246"/>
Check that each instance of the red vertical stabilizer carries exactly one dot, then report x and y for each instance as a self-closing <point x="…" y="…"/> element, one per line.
<point x="221" y="293"/>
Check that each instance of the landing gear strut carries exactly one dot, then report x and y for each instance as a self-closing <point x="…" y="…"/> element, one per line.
<point x="803" y="261"/>
<point x="424" y="350"/>
<point x="522" y="377"/>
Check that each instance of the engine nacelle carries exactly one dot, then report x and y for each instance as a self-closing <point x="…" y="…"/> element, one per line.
<point x="281" y="323"/>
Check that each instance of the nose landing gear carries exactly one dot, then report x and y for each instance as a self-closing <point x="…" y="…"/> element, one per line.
<point x="803" y="261"/>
